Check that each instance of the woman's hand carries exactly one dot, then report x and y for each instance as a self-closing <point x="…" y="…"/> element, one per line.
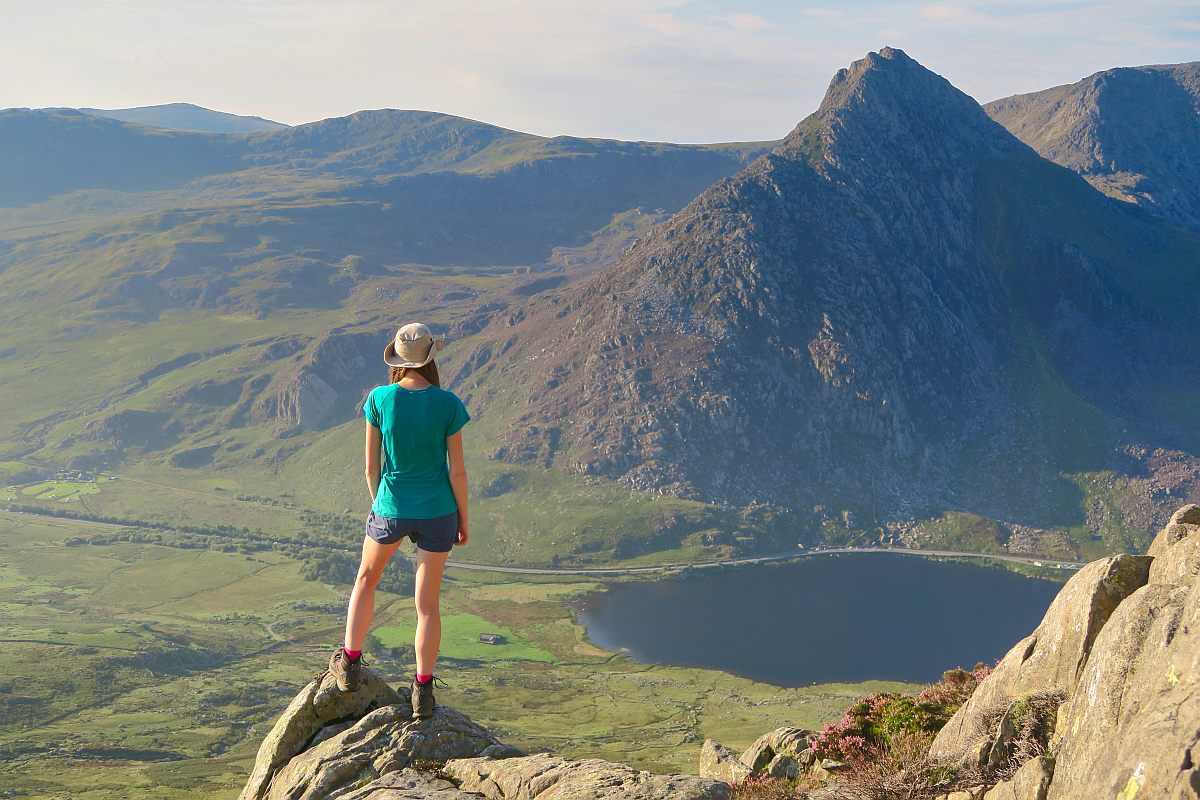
<point x="463" y="533"/>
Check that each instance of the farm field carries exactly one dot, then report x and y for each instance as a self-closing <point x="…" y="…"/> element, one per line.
<point x="141" y="671"/>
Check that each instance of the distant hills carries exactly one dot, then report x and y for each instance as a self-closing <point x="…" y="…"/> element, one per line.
<point x="187" y="117"/>
<point x="1131" y="132"/>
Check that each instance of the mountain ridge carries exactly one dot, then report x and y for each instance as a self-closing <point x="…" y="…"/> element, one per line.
<point x="1129" y="131"/>
<point x="187" y="117"/>
<point x="53" y="151"/>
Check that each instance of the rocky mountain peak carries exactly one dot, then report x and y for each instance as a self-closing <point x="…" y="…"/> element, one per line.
<point x="849" y="316"/>
<point x="888" y="104"/>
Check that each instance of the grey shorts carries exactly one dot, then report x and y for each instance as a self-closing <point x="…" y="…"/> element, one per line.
<point x="435" y="535"/>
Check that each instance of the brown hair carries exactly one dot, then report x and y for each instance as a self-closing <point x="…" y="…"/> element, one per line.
<point x="429" y="372"/>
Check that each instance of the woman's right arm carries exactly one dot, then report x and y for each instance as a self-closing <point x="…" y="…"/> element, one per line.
<point x="458" y="482"/>
<point x="374" y="449"/>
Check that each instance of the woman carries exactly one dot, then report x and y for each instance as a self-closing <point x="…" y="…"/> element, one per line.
<point x="414" y="426"/>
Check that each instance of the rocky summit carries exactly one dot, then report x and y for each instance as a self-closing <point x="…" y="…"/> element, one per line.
<point x="354" y="746"/>
<point x="901" y="306"/>
<point x="1099" y="701"/>
<point x="1131" y="132"/>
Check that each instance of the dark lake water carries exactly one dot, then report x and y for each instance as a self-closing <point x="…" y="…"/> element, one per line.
<point x="824" y="619"/>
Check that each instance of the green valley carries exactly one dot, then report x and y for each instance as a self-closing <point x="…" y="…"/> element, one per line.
<point x="154" y="671"/>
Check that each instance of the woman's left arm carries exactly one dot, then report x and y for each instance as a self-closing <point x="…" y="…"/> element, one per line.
<point x="374" y="449"/>
<point x="458" y="483"/>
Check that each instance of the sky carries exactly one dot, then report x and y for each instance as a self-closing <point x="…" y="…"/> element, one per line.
<point x="663" y="71"/>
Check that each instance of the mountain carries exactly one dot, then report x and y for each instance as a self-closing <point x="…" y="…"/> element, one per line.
<point x="52" y="152"/>
<point x="1133" y="133"/>
<point x="901" y="308"/>
<point x="187" y="117"/>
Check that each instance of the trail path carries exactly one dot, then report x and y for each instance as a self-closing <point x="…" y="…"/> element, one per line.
<point x="48" y="517"/>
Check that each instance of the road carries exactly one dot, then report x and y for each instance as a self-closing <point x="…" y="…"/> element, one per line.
<point x="666" y="567"/>
<point x="756" y="560"/>
<point x="61" y="519"/>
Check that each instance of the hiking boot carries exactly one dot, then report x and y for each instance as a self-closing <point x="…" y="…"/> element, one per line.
<point x="345" y="670"/>
<point x="422" y="699"/>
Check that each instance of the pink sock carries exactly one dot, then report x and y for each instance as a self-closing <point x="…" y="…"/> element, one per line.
<point x="352" y="654"/>
<point x="424" y="678"/>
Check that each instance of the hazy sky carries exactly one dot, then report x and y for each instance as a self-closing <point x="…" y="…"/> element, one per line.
<point x="676" y="71"/>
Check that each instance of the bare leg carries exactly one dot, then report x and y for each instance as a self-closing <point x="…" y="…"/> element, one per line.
<point x="429" y="616"/>
<point x="362" y="600"/>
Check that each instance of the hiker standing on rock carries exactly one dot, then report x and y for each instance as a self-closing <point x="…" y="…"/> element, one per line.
<point x="413" y="428"/>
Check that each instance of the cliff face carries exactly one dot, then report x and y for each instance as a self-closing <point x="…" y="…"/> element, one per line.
<point x="874" y="312"/>
<point x="1133" y="133"/>
<point x="1121" y="644"/>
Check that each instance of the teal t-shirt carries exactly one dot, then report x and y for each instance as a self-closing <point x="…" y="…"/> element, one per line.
<point x="415" y="480"/>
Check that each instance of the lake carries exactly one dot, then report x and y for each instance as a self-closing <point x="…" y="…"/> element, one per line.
<point x="824" y="619"/>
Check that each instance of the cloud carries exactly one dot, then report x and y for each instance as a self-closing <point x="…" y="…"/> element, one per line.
<point x="745" y="22"/>
<point x="666" y="24"/>
<point x="959" y="14"/>
<point x="679" y="70"/>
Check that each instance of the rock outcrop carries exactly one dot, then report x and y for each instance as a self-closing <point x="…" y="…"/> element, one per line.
<point x="1122" y="644"/>
<point x="546" y="777"/>
<point x="1054" y="655"/>
<point x="783" y="753"/>
<point x="330" y="744"/>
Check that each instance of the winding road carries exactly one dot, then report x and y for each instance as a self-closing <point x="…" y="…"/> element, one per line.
<point x="760" y="560"/>
<point x="668" y="567"/>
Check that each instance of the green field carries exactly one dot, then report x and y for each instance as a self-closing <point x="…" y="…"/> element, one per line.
<point x="63" y="491"/>
<point x="154" y="672"/>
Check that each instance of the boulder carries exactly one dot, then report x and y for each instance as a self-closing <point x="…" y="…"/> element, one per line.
<point x="386" y="740"/>
<point x="365" y="746"/>
<point x="719" y="763"/>
<point x="318" y="705"/>
<point x="759" y="754"/>
<point x="973" y="793"/>
<point x="826" y="768"/>
<point x="409" y="784"/>
<point x="1187" y="515"/>
<point x="792" y="741"/>
<point x="1175" y="550"/>
<point x="1132" y="725"/>
<point x="1030" y="782"/>
<point x="1054" y="656"/>
<point x="546" y="777"/>
<point x="783" y="766"/>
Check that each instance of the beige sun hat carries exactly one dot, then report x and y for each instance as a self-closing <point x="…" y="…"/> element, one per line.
<point x="413" y="347"/>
